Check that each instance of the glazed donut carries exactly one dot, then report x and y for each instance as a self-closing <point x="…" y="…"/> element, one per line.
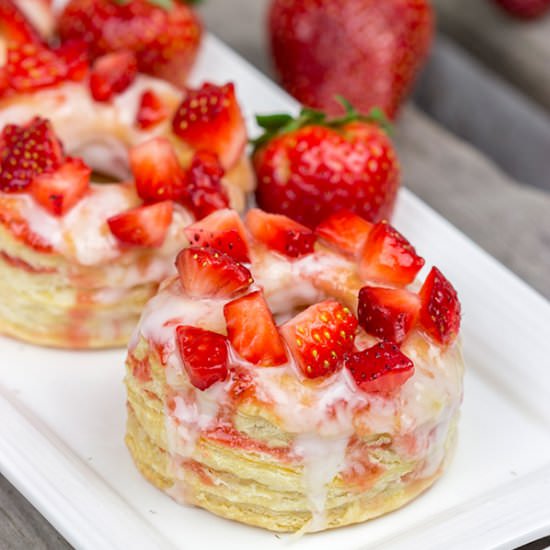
<point x="304" y="383"/>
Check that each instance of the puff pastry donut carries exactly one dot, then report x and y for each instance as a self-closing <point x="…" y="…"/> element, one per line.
<point x="310" y="385"/>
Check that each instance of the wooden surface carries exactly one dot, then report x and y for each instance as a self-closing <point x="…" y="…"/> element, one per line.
<point x="510" y="220"/>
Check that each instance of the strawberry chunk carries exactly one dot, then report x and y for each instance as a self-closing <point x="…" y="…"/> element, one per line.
<point x="210" y="119"/>
<point x="207" y="273"/>
<point x="320" y="337"/>
<point x="74" y="54"/>
<point x="157" y="172"/>
<point x="112" y="74"/>
<point x="382" y="368"/>
<point x="203" y="354"/>
<point x="151" y="110"/>
<point x="15" y="28"/>
<point x="222" y="230"/>
<point x="388" y="257"/>
<point x="280" y="233"/>
<point x="143" y="226"/>
<point x="252" y="331"/>
<point x="345" y="231"/>
<point x="26" y="152"/>
<point x="59" y="191"/>
<point x="440" y="308"/>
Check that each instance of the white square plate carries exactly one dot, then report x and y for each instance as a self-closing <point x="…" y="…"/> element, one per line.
<point x="63" y="415"/>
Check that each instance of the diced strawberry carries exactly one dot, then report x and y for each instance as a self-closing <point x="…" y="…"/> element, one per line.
<point x="345" y="231"/>
<point x="59" y="191"/>
<point x="143" y="226"/>
<point x="112" y="74"/>
<point x="210" y="119"/>
<point x="204" y="355"/>
<point x="74" y="53"/>
<point x="15" y="28"/>
<point x="151" y="110"/>
<point x="204" y="192"/>
<point x="388" y="313"/>
<point x="222" y="230"/>
<point x="280" y="233"/>
<point x="252" y="331"/>
<point x="157" y="172"/>
<point x="440" y="308"/>
<point x="382" y="368"/>
<point x="26" y="152"/>
<point x="320" y="337"/>
<point x="388" y="257"/>
<point x="207" y="273"/>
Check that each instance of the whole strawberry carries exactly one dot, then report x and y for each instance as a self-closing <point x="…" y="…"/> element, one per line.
<point x="367" y="50"/>
<point x="164" y="34"/>
<point x="310" y="167"/>
<point x="525" y="9"/>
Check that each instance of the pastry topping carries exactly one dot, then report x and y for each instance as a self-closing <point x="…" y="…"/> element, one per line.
<point x="143" y="226"/>
<point x="210" y="119"/>
<point x="151" y="110"/>
<point x="112" y="74"/>
<point x="14" y="26"/>
<point x="252" y="331"/>
<point x="440" y="308"/>
<point x="388" y="313"/>
<point x="388" y="257"/>
<point x="381" y="368"/>
<point x="280" y="233"/>
<point x="345" y="231"/>
<point x="203" y="354"/>
<point x="74" y="53"/>
<point x="59" y="191"/>
<point x="207" y="273"/>
<point x="320" y="337"/>
<point x="222" y="230"/>
<point x="27" y="151"/>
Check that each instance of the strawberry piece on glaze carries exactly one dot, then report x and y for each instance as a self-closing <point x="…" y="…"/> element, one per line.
<point x="112" y="74"/>
<point x="345" y="231"/>
<point x="151" y="110"/>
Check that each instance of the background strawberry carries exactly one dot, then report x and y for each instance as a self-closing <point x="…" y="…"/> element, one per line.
<point x="14" y="26"/>
<point x="525" y="9"/>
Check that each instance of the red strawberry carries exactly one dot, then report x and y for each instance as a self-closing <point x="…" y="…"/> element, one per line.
<point x="345" y="231"/>
<point x="320" y="337"/>
<point x="203" y="354"/>
<point x="157" y="171"/>
<point x="26" y="152"/>
<point x="388" y="313"/>
<point x="74" y="54"/>
<point x="112" y="74"/>
<point x="252" y="331"/>
<point x="440" y="308"/>
<point x="210" y="119"/>
<point x="204" y="192"/>
<point x="367" y="50"/>
<point x="388" y="257"/>
<point x="382" y="368"/>
<point x="525" y="9"/>
<point x="151" y="110"/>
<point x="280" y="233"/>
<point x="311" y="167"/>
<point x="143" y="226"/>
<point x="207" y="273"/>
<point x="164" y="35"/>
<point x="222" y="230"/>
<point x="15" y="28"/>
<point x="59" y="191"/>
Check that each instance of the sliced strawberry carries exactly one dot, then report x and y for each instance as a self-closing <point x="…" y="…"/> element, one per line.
<point x="320" y="337"/>
<point x="59" y="191"/>
<point x="252" y="331"/>
<point x="112" y="74"/>
<point x="74" y="54"/>
<point x="388" y="257"/>
<point x="210" y="119"/>
<point x="15" y="28"/>
<point x="204" y="355"/>
<point x="222" y="230"/>
<point x="143" y="226"/>
<point x="151" y="110"/>
<point x="26" y="152"/>
<point x="157" y="171"/>
<point x="440" y="308"/>
<point x="345" y="231"/>
<point x="280" y="233"/>
<point x="388" y="313"/>
<point x="204" y="192"/>
<point x="381" y="368"/>
<point x="207" y="273"/>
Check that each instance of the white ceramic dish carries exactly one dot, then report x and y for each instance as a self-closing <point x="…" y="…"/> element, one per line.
<point x="63" y="415"/>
